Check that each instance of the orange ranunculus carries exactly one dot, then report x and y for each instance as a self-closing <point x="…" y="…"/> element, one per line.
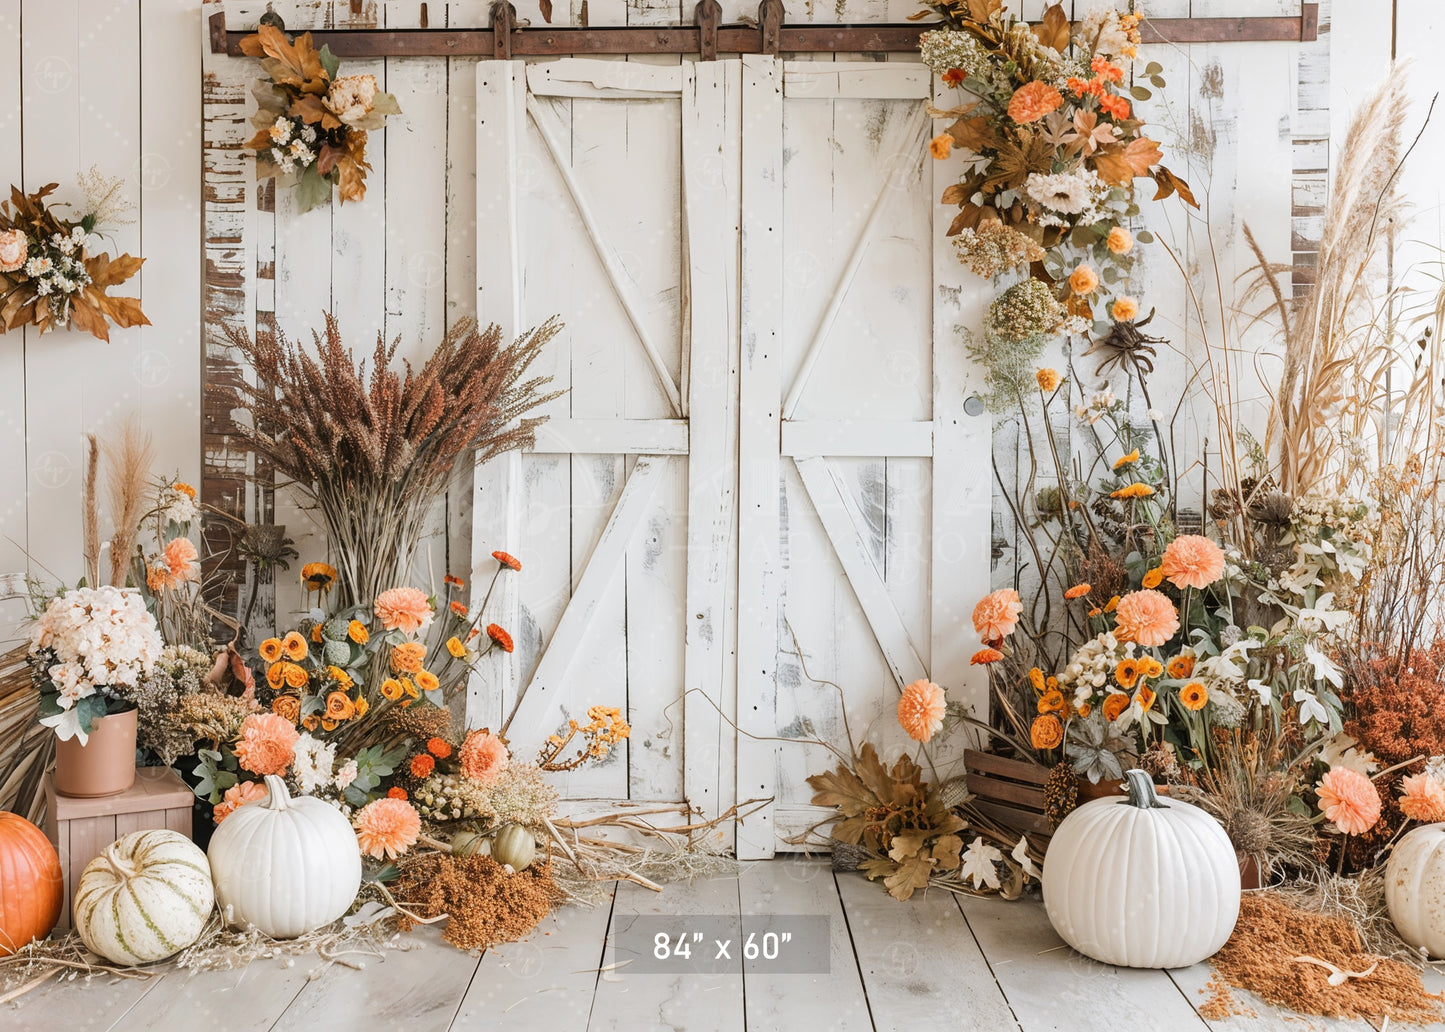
<point x="294" y="646"/>
<point x="1124" y="308"/>
<point x="941" y="146"/>
<point x="1120" y="240"/>
<point x="1036" y="679"/>
<point x="1032" y="101"/>
<point x="1078" y="591"/>
<point x="391" y="689"/>
<point x="1052" y="702"/>
<point x="1046" y="732"/>
<point x="983" y="657"/>
<point x="276" y="674"/>
<point x="1083" y="280"/>
<point x="357" y="632"/>
<point x="1115" y="704"/>
<point x="339" y="707"/>
<point x="407" y="657"/>
<point x="311" y="721"/>
<point x="1127" y="672"/>
<point x="361" y="707"/>
<point x="296" y="676"/>
<point x="288" y="706"/>
<point x="270" y="649"/>
<point x="427" y="681"/>
<point x="456" y="648"/>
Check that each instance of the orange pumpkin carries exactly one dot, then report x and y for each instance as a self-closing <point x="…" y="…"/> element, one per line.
<point x="31" y="887"/>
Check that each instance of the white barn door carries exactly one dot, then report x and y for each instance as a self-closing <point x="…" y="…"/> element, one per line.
<point x="765" y="433"/>
<point x="865" y="487"/>
<point x="607" y="191"/>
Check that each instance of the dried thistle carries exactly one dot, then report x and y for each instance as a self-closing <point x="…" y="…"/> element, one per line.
<point x="373" y="447"/>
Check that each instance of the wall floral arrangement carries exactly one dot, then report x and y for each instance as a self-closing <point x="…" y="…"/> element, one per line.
<point x="311" y="122"/>
<point x="51" y="275"/>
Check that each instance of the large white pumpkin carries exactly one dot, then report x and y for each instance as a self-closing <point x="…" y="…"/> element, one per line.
<point x="146" y="897"/>
<point x="1142" y="882"/>
<point x="284" y="865"/>
<point x="1415" y="888"/>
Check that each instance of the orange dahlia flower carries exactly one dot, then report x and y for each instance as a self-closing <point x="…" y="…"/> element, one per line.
<point x="1032" y="101"/>
<point x="1146" y="617"/>
<point x="1192" y="561"/>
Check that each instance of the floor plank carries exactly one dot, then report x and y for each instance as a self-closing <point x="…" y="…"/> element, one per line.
<point x="834" y="1001"/>
<point x="921" y="966"/>
<point x="1259" y="1016"/>
<point x="412" y="990"/>
<point x="545" y="982"/>
<point x="61" y="1006"/>
<point x="1051" y="987"/>
<point x="632" y="1002"/>
<point x="248" y="1000"/>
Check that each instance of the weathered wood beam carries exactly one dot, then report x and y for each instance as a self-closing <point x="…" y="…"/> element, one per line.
<point x="504" y="39"/>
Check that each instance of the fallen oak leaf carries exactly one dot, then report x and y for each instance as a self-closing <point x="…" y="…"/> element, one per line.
<point x="1119" y="164"/>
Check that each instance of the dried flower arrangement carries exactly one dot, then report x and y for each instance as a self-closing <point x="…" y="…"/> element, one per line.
<point x="1051" y="149"/>
<point x="374" y="448"/>
<point x="49" y="276"/>
<point x="312" y="124"/>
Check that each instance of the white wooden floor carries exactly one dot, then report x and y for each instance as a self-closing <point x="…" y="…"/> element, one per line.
<point x="936" y="962"/>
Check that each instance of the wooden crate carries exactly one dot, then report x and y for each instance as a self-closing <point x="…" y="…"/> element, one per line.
<point x="81" y="828"/>
<point x="1009" y="791"/>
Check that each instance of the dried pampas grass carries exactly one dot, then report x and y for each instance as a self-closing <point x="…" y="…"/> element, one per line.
<point x="26" y="745"/>
<point x="128" y="459"/>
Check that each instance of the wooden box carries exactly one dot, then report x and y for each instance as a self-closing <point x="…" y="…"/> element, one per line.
<point x="81" y="828"/>
<point x="1009" y="791"/>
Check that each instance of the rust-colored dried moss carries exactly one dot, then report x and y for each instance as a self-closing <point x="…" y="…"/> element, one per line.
<point x="485" y="904"/>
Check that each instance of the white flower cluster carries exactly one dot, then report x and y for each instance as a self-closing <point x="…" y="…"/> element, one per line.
<point x="313" y="765"/>
<point x="177" y="506"/>
<point x="1102" y="30"/>
<point x="94" y="640"/>
<point x="944" y="50"/>
<point x="292" y="143"/>
<point x="1081" y="195"/>
<point x="1090" y="667"/>
<point x="58" y="268"/>
<point x="1330" y="535"/>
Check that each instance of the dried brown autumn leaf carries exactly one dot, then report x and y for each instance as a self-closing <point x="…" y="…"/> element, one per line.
<point x="973" y="133"/>
<point x="1120" y="163"/>
<point x="1169" y="183"/>
<point x="954" y="194"/>
<point x="1053" y="31"/>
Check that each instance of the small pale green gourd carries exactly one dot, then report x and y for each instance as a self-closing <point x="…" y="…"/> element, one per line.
<point x="514" y="846"/>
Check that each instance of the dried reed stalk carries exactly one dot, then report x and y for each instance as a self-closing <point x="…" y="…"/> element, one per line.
<point x="26" y="745"/>
<point x="90" y="512"/>
<point x="1338" y="350"/>
<point x="374" y="447"/>
<point x="128" y="461"/>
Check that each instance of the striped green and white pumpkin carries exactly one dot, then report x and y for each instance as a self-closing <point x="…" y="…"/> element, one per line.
<point x="145" y="898"/>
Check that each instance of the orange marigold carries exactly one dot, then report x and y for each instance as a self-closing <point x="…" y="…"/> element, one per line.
<point x="501" y="637"/>
<point x="396" y="792"/>
<point x="453" y="582"/>
<point x="1048" y="380"/>
<point x="1116" y="106"/>
<point x="1046" y="732"/>
<point x="387" y="828"/>
<point x="920" y="710"/>
<point x="1052" y="702"/>
<point x="1032" y="101"/>
<point x="511" y="562"/>
<point x="422" y="765"/>
<point x="458" y="609"/>
<point x="1182" y="665"/>
<point x="985" y="656"/>
<point x="1153" y="578"/>
<point x="1078" y="591"/>
<point x="1193" y="696"/>
<point x="439" y="747"/>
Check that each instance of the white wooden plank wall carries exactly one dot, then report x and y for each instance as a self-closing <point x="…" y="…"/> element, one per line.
<point x="123" y="79"/>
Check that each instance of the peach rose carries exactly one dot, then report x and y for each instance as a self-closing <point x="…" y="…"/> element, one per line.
<point x="1120" y="240"/>
<point x="351" y="97"/>
<point x="1083" y="280"/>
<point x="14" y="249"/>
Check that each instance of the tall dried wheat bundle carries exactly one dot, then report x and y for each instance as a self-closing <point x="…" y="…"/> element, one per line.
<point x="375" y="446"/>
<point x="1338" y="351"/>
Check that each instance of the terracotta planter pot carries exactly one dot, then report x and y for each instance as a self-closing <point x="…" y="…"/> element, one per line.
<point x="104" y="765"/>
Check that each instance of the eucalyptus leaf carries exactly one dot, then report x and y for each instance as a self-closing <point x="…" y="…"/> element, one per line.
<point x="1153" y="68"/>
<point x="329" y="61"/>
<point x="1139" y="93"/>
<point x="312" y="191"/>
<point x="1144" y="236"/>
